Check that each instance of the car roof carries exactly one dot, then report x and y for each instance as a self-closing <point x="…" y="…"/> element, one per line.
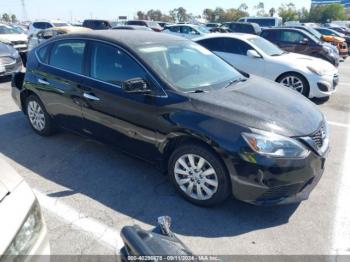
<point x="127" y="38"/>
<point x="241" y="36"/>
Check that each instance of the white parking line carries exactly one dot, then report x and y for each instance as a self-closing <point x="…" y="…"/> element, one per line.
<point x="110" y="237"/>
<point x="341" y="226"/>
<point x="339" y="124"/>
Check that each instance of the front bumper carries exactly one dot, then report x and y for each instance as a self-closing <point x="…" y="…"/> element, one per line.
<point x="265" y="181"/>
<point x="323" y="86"/>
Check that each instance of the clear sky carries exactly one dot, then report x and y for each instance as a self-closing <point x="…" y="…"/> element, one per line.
<point x="111" y="9"/>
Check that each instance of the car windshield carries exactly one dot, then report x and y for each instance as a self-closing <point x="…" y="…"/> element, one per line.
<point x="332" y="32"/>
<point x="266" y="46"/>
<point x="189" y="67"/>
<point x="314" y="32"/>
<point x="5" y="30"/>
<point x="202" y="29"/>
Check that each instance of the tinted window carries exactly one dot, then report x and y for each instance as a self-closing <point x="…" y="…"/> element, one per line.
<point x="188" y="30"/>
<point x="136" y="23"/>
<point x="175" y="29"/>
<point x="42" y="25"/>
<point x="271" y="35"/>
<point x="68" y="55"/>
<point x="213" y="44"/>
<point x="43" y="54"/>
<point x="112" y="65"/>
<point x="235" y="46"/>
<point x="291" y="37"/>
<point x="263" y="22"/>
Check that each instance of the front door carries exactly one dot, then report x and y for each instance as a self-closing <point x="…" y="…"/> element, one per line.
<point x="127" y="120"/>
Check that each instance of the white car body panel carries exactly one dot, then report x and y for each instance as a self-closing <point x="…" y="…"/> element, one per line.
<point x="16" y="200"/>
<point x="271" y="67"/>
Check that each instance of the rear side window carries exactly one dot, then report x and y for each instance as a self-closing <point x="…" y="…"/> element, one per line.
<point x="112" y="65"/>
<point x="291" y="37"/>
<point x="235" y="46"/>
<point x="213" y="44"/>
<point x="271" y="35"/>
<point x="137" y="23"/>
<point x="42" y="25"/>
<point x="68" y="55"/>
<point x="43" y="54"/>
<point x="175" y="29"/>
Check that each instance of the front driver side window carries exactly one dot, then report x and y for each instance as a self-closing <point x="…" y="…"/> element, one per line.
<point x="291" y="37"/>
<point x="235" y="46"/>
<point x="112" y="65"/>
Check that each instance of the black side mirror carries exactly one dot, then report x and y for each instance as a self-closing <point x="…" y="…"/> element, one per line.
<point x="136" y="85"/>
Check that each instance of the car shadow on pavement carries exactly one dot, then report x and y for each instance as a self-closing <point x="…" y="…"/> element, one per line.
<point x="127" y="185"/>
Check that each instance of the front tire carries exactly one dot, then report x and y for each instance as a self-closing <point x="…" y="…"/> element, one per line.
<point x="296" y="82"/>
<point x="199" y="175"/>
<point x="38" y="118"/>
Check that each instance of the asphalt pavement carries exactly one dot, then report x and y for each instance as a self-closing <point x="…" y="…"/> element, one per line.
<point x="89" y="191"/>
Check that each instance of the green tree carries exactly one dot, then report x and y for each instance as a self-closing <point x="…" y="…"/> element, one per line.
<point x="288" y="12"/>
<point x="6" y="17"/>
<point x="243" y="7"/>
<point x="303" y="15"/>
<point x="13" y="18"/>
<point x="179" y="14"/>
<point x="208" y="14"/>
<point x="154" y="15"/>
<point x="327" y="13"/>
<point x="141" y="15"/>
<point x="260" y="9"/>
<point x="272" y="11"/>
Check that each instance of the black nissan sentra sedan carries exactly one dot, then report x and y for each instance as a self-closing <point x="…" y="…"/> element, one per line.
<point x="172" y="102"/>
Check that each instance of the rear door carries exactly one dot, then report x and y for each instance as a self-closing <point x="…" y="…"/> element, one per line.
<point x="58" y="79"/>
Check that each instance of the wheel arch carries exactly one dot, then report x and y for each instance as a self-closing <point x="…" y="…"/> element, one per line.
<point x="297" y="73"/>
<point x="175" y="140"/>
<point x="24" y="95"/>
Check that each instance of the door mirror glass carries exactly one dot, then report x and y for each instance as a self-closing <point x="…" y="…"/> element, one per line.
<point x="253" y="54"/>
<point x="136" y="85"/>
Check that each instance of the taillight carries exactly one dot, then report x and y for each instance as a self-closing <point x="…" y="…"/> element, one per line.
<point x="156" y="30"/>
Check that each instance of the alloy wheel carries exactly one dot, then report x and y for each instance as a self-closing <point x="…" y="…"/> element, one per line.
<point x="196" y="177"/>
<point x="36" y="115"/>
<point x="293" y="82"/>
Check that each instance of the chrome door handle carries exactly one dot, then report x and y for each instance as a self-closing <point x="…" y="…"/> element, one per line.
<point x="91" y="97"/>
<point x="44" y="82"/>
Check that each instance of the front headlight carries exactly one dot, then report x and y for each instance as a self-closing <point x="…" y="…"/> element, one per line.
<point x="28" y="233"/>
<point x="319" y="71"/>
<point x="274" y="145"/>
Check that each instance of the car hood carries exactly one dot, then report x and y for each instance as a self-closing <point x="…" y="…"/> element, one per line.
<point x="300" y="60"/>
<point x="14" y="37"/>
<point x="6" y="50"/>
<point x="261" y="104"/>
<point x="9" y="179"/>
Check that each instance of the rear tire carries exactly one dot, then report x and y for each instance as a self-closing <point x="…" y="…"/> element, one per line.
<point x="38" y="118"/>
<point x="199" y="175"/>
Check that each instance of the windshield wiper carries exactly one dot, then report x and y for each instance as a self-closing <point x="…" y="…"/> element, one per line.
<point x="235" y="81"/>
<point x="197" y="91"/>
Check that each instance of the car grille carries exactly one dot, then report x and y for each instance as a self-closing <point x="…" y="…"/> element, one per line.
<point x="274" y="193"/>
<point x="319" y="136"/>
<point x="6" y="60"/>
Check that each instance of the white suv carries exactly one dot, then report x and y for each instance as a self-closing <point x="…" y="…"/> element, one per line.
<point x="37" y="26"/>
